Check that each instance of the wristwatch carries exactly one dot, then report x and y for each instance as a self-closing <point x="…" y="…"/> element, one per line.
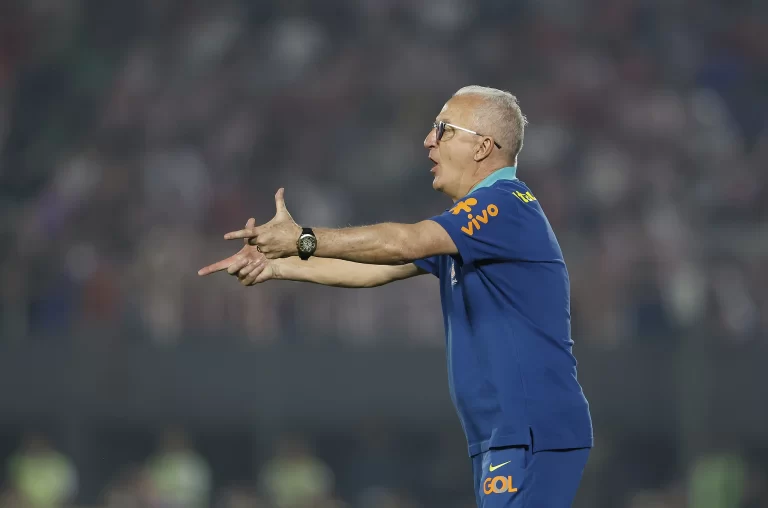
<point x="307" y="243"/>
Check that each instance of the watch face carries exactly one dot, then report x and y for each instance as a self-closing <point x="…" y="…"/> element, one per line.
<point x="307" y="243"/>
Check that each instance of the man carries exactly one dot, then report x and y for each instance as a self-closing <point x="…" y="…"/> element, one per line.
<point x="505" y="297"/>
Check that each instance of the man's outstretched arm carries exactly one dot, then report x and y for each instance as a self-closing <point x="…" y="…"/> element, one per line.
<point x="252" y="267"/>
<point x="385" y="244"/>
<point x="339" y="273"/>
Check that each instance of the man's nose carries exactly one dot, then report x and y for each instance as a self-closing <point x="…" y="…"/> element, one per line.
<point x="431" y="140"/>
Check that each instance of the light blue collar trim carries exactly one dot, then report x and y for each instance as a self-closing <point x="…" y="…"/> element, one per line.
<point x="506" y="173"/>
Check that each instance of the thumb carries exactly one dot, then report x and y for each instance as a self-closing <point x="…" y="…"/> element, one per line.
<point x="280" y="201"/>
<point x="248" y="225"/>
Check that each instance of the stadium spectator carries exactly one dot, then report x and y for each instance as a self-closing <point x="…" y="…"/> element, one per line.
<point x="294" y="477"/>
<point x="180" y="475"/>
<point x="40" y="476"/>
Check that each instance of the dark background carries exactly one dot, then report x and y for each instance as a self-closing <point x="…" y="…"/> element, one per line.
<point x="134" y="134"/>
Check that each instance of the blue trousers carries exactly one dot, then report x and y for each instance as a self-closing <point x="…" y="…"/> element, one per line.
<point x="515" y="477"/>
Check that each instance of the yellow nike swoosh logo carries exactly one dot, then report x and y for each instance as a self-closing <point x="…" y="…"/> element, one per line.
<point x="493" y="468"/>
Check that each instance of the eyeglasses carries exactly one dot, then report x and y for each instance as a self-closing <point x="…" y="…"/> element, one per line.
<point x="440" y="130"/>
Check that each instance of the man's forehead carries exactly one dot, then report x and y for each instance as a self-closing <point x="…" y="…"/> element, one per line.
<point x="456" y="108"/>
<point x="445" y="113"/>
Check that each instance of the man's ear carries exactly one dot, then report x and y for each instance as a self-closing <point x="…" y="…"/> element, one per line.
<point x="483" y="149"/>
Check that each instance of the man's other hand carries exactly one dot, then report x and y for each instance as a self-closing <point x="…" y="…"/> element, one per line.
<point x="249" y="265"/>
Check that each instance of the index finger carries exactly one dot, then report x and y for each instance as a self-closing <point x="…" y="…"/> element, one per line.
<point x="216" y="267"/>
<point x="243" y="233"/>
<point x="248" y="225"/>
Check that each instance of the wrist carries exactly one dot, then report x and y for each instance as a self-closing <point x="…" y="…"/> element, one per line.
<point x="276" y="266"/>
<point x="297" y="234"/>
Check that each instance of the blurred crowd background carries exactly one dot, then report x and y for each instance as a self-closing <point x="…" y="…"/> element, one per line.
<point x="133" y="134"/>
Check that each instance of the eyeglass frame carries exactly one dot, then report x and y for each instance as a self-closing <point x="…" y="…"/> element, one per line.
<point x="440" y="126"/>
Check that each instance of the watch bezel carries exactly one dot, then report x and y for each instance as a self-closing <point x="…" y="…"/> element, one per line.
<point x="305" y="254"/>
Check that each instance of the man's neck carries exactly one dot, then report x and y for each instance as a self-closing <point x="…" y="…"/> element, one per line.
<point x="480" y="175"/>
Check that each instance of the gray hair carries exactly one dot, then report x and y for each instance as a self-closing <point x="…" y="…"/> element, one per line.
<point x="500" y="117"/>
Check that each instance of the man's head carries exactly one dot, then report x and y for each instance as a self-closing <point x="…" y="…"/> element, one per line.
<point x="463" y="158"/>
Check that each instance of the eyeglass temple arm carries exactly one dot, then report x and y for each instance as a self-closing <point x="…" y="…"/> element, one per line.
<point x="472" y="132"/>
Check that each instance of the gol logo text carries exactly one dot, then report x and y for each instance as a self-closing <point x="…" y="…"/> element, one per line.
<point x="498" y="485"/>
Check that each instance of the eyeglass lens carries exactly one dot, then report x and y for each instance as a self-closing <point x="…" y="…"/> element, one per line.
<point x="440" y="130"/>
